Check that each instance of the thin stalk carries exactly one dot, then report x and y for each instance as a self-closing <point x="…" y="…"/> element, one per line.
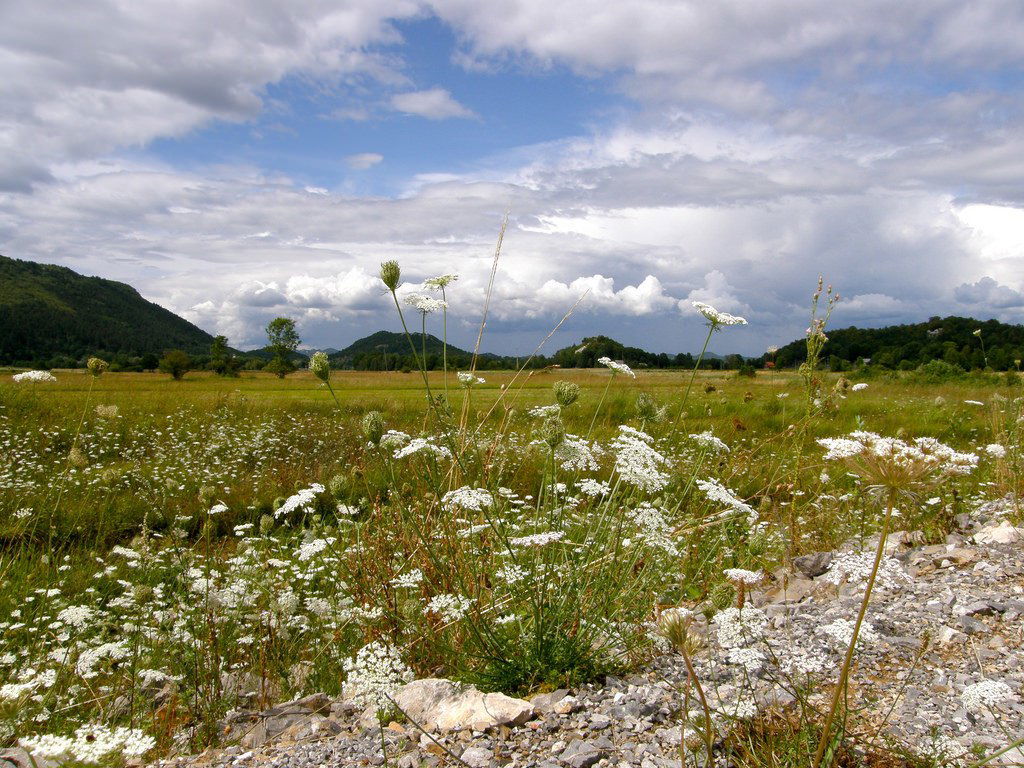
<point x="696" y="366"/>
<point x="844" y="673"/>
<point x="708" y="740"/>
<point x="599" y="404"/>
<point x="444" y="347"/>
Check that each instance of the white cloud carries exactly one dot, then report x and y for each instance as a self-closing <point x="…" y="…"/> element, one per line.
<point x="433" y="104"/>
<point x="987" y="294"/>
<point x="363" y="161"/>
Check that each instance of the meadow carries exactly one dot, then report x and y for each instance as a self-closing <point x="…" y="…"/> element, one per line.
<point x="172" y="550"/>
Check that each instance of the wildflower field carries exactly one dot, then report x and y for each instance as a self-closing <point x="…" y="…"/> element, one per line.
<point x="173" y="550"/>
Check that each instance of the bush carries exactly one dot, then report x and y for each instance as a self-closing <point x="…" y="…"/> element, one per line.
<point x="747" y="371"/>
<point x="176" y="362"/>
<point x="937" y="371"/>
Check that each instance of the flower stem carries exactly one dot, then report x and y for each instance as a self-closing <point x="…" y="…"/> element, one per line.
<point x="844" y="672"/>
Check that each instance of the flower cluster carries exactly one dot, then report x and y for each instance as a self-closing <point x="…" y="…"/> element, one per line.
<point x="616" y="366"/>
<point x="470" y="499"/>
<point x="374" y="676"/>
<point x="36" y="376"/>
<point x="424" y="303"/>
<point x="715" y="318"/>
<point x="637" y="462"/>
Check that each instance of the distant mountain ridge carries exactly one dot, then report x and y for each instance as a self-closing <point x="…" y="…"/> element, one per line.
<point x="49" y="312"/>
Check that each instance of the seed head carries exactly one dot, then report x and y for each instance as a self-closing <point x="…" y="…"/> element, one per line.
<point x="553" y="431"/>
<point x="566" y="393"/>
<point x="96" y="366"/>
<point x="390" y="274"/>
<point x="320" y="366"/>
<point x="373" y="426"/>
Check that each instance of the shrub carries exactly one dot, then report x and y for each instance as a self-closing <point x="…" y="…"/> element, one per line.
<point x="937" y="371"/>
<point x="176" y="362"/>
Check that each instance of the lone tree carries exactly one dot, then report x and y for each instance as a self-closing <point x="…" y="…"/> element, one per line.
<point x="222" y="362"/>
<point x="176" y="362"/>
<point x="283" y="340"/>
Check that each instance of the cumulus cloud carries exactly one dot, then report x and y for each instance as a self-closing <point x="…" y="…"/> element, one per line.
<point x="987" y="293"/>
<point x="433" y="104"/>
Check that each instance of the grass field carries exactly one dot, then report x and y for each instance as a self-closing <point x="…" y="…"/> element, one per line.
<point x="173" y="549"/>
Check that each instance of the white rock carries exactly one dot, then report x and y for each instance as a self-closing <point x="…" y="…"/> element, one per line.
<point x="440" y="705"/>
<point x="1004" y="533"/>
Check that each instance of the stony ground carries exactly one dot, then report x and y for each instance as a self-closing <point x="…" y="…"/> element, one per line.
<point x="951" y="617"/>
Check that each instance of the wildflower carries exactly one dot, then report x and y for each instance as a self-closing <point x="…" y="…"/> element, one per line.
<point x="543" y="411"/>
<point x="653" y="528"/>
<point x="468" y="379"/>
<point x="637" y="463"/>
<point x="421" y="445"/>
<point x="855" y="568"/>
<point x="949" y="751"/>
<point x="373" y="427"/>
<point x="320" y="366"/>
<point x="988" y="694"/>
<point x="470" y="499"/>
<point x="390" y="274"/>
<point x="34" y="376"/>
<point x="739" y="576"/>
<point x="510" y="574"/>
<point x="738" y="627"/>
<point x="374" y="675"/>
<point x="90" y="744"/>
<point x="449" y="608"/>
<point x="552" y="431"/>
<point x="302" y="500"/>
<point x="859" y="386"/>
<point x="537" y="539"/>
<point x="392" y="438"/>
<point x="973" y="402"/>
<point x="715" y="318"/>
<point x="616" y="366"/>
<point x="841" y="631"/>
<point x="995" y="450"/>
<point x="751" y="659"/>
<point x="425" y="304"/>
<point x="718" y="493"/>
<point x="217" y="509"/>
<point x="96" y="366"/>
<point x="107" y="411"/>
<point x="709" y="442"/>
<point x="441" y="281"/>
<point x="576" y="454"/>
<point x="592" y="487"/>
<point x="77" y="616"/>
<point x="408" y="580"/>
<point x="566" y="393"/>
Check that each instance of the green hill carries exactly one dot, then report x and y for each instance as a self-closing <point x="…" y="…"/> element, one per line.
<point x="951" y="339"/>
<point x="53" y="315"/>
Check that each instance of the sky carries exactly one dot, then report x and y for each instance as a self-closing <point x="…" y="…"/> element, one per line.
<point x="237" y="162"/>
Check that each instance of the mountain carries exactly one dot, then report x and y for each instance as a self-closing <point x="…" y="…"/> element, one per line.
<point x="51" y="314"/>
<point x="952" y="339"/>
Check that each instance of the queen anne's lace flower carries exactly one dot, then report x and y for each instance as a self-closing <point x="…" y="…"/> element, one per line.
<point x="424" y="303"/>
<point x="638" y="463"/>
<point x="448" y="607"/>
<point x="90" y="744"/>
<point x="421" y="445"/>
<point x="374" y="675"/>
<point x="302" y="500"/>
<point x="986" y="695"/>
<point x="709" y="442"/>
<point x="744" y="577"/>
<point x="36" y="376"/>
<point x="616" y="366"/>
<point x="715" y="318"/>
<point x="468" y="379"/>
<point x="719" y="494"/>
<point x="739" y="627"/>
<point x="470" y="499"/>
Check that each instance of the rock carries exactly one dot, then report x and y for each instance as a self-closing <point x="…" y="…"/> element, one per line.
<point x="436" y="704"/>
<point x="566" y="706"/>
<point x="814" y="564"/>
<point x="581" y="754"/>
<point x="19" y="758"/>
<point x="1004" y="533"/>
<point x="477" y="757"/>
<point x="791" y="589"/>
<point x="545" y="702"/>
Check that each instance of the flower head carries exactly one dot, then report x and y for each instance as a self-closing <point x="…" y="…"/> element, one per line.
<point x="616" y="366"/>
<point x="425" y="304"/>
<point x="320" y="366"/>
<point x="35" y="376"/>
<point x="441" y="281"/>
<point x="715" y="318"/>
<point x="374" y="676"/>
<point x="390" y="274"/>
<point x="96" y="366"/>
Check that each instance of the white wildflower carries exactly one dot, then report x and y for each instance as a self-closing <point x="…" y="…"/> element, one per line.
<point x="374" y="675"/>
<point x="718" y="493"/>
<point x="35" y="376"/>
<point x="715" y="318"/>
<point x="709" y="442"/>
<point x="449" y="608"/>
<point x="859" y="386"/>
<point x="638" y="463"/>
<point x="740" y="626"/>
<point x="424" y="303"/>
<point x="422" y="445"/>
<point x="986" y="695"/>
<point x="616" y="366"/>
<point x="468" y="379"/>
<point x="470" y="499"/>
<point x="301" y="500"/>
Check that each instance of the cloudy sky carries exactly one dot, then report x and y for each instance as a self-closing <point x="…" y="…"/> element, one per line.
<point x="235" y="165"/>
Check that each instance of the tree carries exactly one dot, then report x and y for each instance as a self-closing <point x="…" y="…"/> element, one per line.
<point x="222" y="362"/>
<point x="176" y="362"/>
<point x="283" y="340"/>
